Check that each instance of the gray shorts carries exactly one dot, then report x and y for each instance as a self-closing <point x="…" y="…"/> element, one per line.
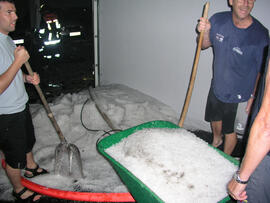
<point x="16" y="137"/>
<point x="258" y="187"/>
<point x="217" y="110"/>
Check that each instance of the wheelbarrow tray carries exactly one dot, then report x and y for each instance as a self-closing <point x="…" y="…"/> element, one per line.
<point x="139" y="191"/>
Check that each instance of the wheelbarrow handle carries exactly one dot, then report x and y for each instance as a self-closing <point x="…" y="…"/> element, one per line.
<point x="194" y="71"/>
<point x="46" y="106"/>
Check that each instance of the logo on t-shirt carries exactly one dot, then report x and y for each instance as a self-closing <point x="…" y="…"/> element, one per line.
<point x="219" y="37"/>
<point x="238" y="50"/>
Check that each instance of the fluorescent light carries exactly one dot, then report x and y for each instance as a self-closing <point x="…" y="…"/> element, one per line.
<point x="18" y="41"/>
<point x="72" y="34"/>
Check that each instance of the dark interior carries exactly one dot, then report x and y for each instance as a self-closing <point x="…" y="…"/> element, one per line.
<point x="58" y="35"/>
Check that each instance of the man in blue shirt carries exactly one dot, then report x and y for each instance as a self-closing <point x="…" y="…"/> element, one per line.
<point x="239" y="42"/>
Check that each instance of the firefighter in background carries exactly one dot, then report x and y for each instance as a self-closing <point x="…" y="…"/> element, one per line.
<point x="49" y="36"/>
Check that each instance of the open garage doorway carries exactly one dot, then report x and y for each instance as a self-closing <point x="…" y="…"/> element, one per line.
<point x="59" y="37"/>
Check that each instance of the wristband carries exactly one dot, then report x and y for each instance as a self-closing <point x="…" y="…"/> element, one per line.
<point x="238" y="179"/>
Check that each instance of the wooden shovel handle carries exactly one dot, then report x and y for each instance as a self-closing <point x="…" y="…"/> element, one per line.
<point x="46" y="106"/>
<point x="104" y="115"/>
<point x="194" y="71"/>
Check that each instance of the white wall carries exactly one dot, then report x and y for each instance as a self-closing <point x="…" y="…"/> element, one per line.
<point x="150" y="45"/>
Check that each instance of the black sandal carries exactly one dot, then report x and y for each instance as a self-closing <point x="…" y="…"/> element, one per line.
<point x="28" y="199"/>
<point x="34" y="172"/>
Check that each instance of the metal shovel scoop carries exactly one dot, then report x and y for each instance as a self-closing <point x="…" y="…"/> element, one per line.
<point x="67" y="156"/>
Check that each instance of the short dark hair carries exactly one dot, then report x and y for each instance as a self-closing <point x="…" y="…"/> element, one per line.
<point x="10" y="1"/>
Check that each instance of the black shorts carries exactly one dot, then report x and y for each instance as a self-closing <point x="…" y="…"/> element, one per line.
<point x="217" y="110"/>
<point x="17" y="137"/>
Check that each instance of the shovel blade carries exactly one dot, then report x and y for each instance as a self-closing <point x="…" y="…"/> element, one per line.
<point x="75" y="161"/>
<point x="68" y="161"/>
<point x="61" y="164"/>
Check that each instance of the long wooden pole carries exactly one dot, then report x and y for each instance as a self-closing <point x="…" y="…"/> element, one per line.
<point x="102" y="113"/>
<point x="194" y="71"/>
<point x="46" y="106"/>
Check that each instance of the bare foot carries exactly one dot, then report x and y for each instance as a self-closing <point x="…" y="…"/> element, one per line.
<point x="217" y="143"/>
<point x="26" y="195"/>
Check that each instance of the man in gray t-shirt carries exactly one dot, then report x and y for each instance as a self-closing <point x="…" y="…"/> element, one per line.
<point x="16" y="130"/>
